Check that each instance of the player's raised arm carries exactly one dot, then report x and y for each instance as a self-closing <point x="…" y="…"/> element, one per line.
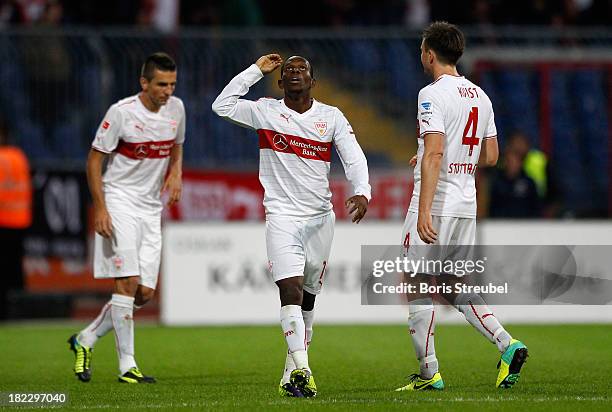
<point x="230" y="106"/>
<point x="430" y="171"/>
<point x="355" y="168"/>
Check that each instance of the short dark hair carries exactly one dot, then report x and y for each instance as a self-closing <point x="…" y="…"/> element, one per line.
<point x="157" y="61"/>
<point x="297" y="57"/>
<point x="446" y="40"/>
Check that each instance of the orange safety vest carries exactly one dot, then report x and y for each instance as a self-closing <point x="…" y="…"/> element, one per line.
<point x="15" y="189"/>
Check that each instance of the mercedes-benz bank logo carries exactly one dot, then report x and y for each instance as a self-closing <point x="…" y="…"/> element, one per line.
<point x="141" y="151"/>
<point x="280" y="142"/>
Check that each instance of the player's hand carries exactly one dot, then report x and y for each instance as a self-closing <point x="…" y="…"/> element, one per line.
<point x="425" y="228"/>
<point x="269" y="63"/>
<point x="174" y="185"/>
<point x="102" y="222"/>
<point x="357" y="203"/>
<point x="413" y="161"/>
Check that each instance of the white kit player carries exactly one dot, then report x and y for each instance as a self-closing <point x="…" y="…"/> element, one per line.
<point x="296" y="135"/>
<point x="142" y="136"/>
<point x="457" y="135"/>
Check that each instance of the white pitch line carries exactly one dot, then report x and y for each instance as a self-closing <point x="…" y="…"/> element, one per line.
<point x="351" y="401"/>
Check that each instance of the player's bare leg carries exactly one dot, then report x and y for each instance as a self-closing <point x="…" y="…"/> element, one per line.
<point x="294" y="330"/>
<point x="143" y="295"/>
<point x="421" y="322"/>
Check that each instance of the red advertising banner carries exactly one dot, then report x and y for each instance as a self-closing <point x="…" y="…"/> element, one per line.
<point x="207" y="196"/>
<point x="219" y="196"/>
<point x="239" y="196"/>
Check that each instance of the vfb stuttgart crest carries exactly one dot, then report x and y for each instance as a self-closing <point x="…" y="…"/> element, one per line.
<point x="321" y="127"/>
<point x="117" y="262"/>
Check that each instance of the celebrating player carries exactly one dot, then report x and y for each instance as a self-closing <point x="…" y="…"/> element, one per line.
<point x="457" y="134"/>
<point x="295" y="140"/>
<point x="142" y="136"/>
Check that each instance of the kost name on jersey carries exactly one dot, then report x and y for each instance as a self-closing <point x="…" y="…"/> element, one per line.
<point x="468" y="92"/>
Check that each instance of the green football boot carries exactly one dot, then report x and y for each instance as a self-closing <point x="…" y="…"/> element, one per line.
<point x="510" y="364"/>
<point x="289" y="390"/>
<point x="303" y="380"/>
<point x="416" y="383"/>
<point x="82" y="362"/>
<point x="135" y="376"/>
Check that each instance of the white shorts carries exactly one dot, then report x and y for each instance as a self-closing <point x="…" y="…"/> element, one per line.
<point x="133" y="250"/>
<point x="451" y="231"/>
<point x="300" y="248"/>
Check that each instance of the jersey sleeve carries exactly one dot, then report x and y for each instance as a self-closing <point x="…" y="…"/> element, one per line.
<point x="180" y="131"/>
<point x="109" y="131"/>
<point x="491" y="130"/>
<point x="429" y="113"/>
<point x="352" y="157"/>
<point x="231" y="107"/>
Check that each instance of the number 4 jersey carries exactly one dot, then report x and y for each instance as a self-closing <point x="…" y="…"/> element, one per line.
<point x="460" y="111"/>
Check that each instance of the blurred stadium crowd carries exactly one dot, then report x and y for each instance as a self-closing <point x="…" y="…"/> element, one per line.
<point x="66" y="61"/>
<point x="171" y="14"/>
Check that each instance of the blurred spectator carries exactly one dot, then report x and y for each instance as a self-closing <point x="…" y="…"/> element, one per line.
<point x="48" y="67"/>
<point x="31" y="10"/>
<point x="537" y="167"/>
<point x="417" y="14"/>
<point x="159" y="14"/>
<point x="534" y="161"/>
<point x="10" y="13"/>
<point x="15" y="215"/>
<point x="513" y="193"/>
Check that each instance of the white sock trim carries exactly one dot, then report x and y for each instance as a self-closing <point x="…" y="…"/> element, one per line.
<point x="122" y="300"/>
<point x="291" y="310"/>
<point x="429" y="359"/>
<point x="413" y="309"/>
<point x="300" y="358"/>
<point x="498" y="332"/>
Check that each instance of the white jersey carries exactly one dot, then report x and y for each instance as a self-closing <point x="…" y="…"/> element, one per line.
<point x="458" y="109"/>
<point x="295" y="148"/>
<point x="139" y="143"/>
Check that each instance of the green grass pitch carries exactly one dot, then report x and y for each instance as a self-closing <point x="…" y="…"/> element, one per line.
<point x="356" y="368"/>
